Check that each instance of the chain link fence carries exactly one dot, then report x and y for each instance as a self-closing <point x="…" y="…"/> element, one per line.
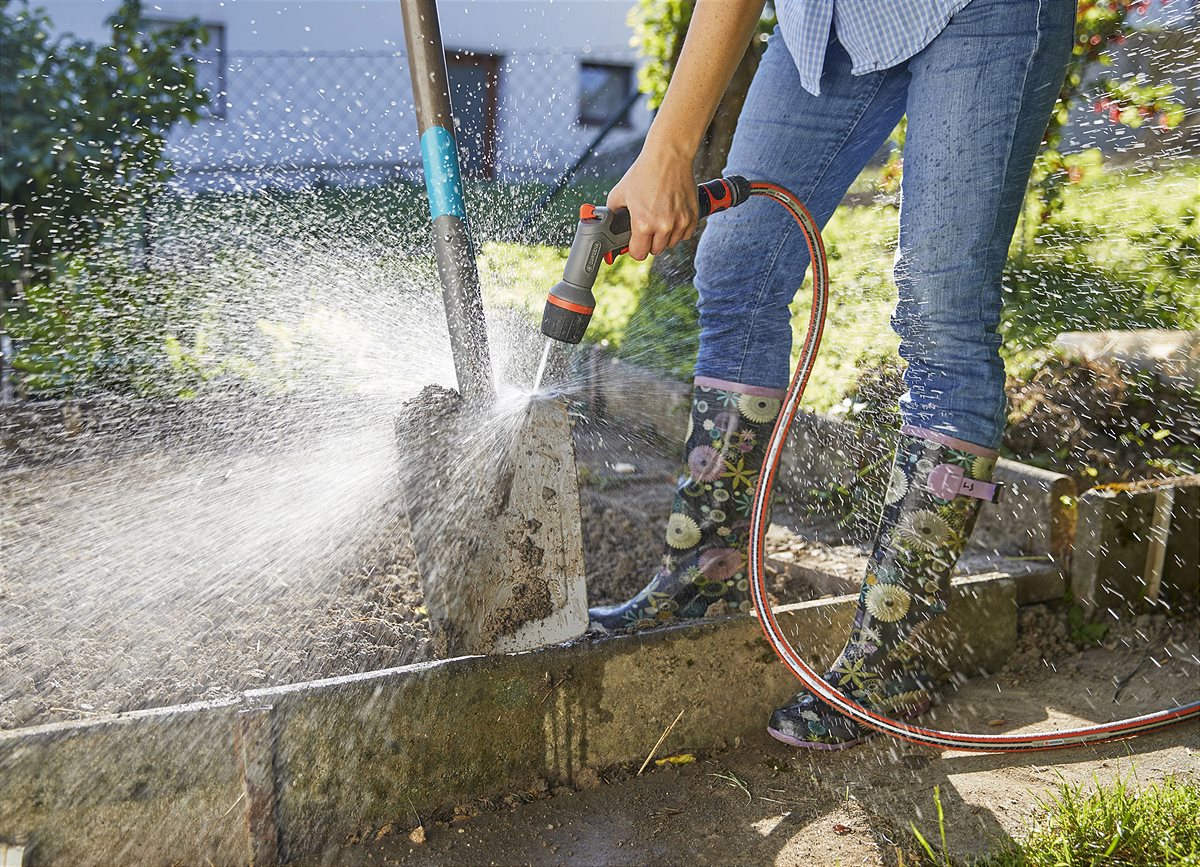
<point x="285" y="118"/>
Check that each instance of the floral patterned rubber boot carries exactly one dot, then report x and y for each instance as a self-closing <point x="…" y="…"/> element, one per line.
<point x="937" y="486"/>
<point x="704" y="569"/>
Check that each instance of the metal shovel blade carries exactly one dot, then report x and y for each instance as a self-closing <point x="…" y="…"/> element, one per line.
<point x="495" y="524"/>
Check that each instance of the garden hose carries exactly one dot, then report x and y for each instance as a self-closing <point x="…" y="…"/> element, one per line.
<point x="812" y="681"/>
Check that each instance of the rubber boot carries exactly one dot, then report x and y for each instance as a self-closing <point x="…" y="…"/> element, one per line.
<point x="936" y="488"/>
<point x="703" y="571"/>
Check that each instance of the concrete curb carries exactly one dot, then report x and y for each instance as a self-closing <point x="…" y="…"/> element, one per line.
<point x="1138" y="543"/>
<point x="316" y="762"/>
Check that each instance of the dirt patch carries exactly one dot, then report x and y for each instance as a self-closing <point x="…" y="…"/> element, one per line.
<point x="185" y="571"/>
<point x="219" y="557"/>
<point x="1102" y="422"/>
<point x="109" y="601"/>
<point x="766" y="803"/>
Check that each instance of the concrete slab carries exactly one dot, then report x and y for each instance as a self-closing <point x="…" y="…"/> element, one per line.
<point x="167" y="787"/>
<point x="152" y="787"/>
<point x="1173" y="354"/>
<point x="1035" y="515"/>
<point x="1115" y="564"/>
<point x="767" y="803"/>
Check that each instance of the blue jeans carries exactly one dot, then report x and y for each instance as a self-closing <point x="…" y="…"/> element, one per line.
<point x="977" y="99"/>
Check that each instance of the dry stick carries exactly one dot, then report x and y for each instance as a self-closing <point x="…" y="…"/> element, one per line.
<point x="240" y="798"/>
<point x="654" y="750"/>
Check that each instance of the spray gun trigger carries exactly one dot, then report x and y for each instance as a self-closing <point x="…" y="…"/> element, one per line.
<point x="611" y="255"/>
<point x="587" y="212"/>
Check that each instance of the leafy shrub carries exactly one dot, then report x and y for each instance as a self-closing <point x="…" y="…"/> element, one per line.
<point x="89" y="330"/>
<point x="82" y="132"/>
<point x="84" y="126"/>
<point x="1062" y="285"/>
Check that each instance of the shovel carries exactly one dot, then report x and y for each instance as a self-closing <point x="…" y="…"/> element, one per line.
<point x="495" y="521"/>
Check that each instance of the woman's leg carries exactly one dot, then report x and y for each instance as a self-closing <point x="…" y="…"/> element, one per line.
<point x="750" y="263"/>
<point x="977" y="106"/>
<point x="980" y="97"/>
<point x="752" y="260"/>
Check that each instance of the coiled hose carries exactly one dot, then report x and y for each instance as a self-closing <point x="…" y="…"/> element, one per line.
<point x="812" y="681"/>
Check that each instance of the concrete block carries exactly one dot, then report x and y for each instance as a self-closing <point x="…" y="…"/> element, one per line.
<point x="354" y="753"/>
<point x="1035" y="579"/>
<point x="824" y="454"/>
<point x="1036" y="515"/>
<point x="646" y="402"/>
<point x="152" y="787"/>
<point x="1172" y="354"/>
<point x="1128" y="547"/>
<point x="1181" y="566"/>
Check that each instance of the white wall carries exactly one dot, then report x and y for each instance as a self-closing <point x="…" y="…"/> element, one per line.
<point x="297" y="110"/>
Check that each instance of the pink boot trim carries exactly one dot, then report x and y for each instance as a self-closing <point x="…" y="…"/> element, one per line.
<point x="945" y="440"/>
<point x="740" y="388"/>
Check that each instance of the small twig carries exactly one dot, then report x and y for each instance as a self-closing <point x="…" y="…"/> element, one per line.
<point x="1124" y="681"/>
<point x="551" y="687"/>
<point x="240" y="798"/>
<point x="72" y="710"/>
<point x="662" y="814"/>
<point x="662" y="738"/>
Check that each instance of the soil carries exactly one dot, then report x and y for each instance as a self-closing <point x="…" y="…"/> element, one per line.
<point x="317" y="591"/>
<point x="74" y="643"/>
<point x="764" y="802"/>
<point x="1097" y="420"/>
<point x="299" y="600"/>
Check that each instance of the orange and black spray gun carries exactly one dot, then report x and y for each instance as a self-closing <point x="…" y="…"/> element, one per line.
<point x="602" y="235"/>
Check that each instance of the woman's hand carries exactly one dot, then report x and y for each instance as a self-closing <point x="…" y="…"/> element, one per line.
<point x="659" y="189"/>
<point x="660" y="192"/>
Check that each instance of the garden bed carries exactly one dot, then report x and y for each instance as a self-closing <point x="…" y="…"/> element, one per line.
<point x="203" y="561"/>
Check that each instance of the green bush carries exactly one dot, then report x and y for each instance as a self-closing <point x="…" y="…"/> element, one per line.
<point x="83" y="127"/>
<point x="1062" y="286"/>
<point x="82" y="132"/>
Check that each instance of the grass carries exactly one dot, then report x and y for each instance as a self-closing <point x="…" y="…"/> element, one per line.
<point x="1115" y="825"/>
<point x="1123" y="253"/>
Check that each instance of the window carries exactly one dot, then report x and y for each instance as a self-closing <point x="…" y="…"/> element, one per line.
<point x="604" y="89"/>
<point x="210" y="65"/>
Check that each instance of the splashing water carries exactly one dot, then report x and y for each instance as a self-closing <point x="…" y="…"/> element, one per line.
<point x="537" y="379"/>
<point x="250" y="530"/>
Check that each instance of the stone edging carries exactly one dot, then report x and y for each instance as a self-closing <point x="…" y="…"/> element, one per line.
<point x="289" y="772"/>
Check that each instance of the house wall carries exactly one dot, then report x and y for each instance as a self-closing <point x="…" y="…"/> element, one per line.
<point x="316" y="86"/>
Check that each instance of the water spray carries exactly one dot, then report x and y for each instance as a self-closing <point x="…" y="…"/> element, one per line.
<point x="602" y="235"/>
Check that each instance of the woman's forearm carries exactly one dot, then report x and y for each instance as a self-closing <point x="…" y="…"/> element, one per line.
<point x="659" y="189"/>
<point x="716" y="40"/>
